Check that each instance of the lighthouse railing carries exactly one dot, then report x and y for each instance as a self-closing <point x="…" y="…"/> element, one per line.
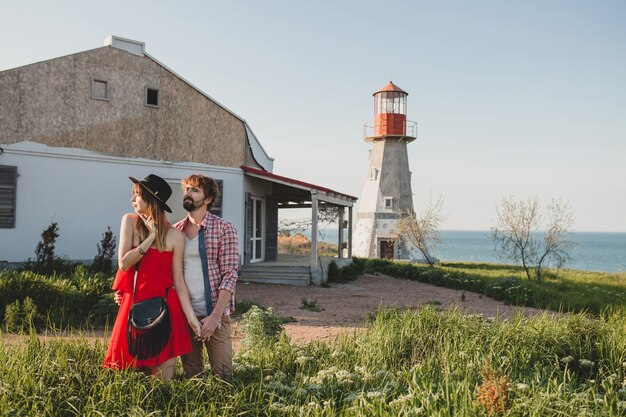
<point x="369" y="130"/>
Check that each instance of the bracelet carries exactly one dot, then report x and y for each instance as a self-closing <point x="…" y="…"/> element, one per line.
<point x="141" y="251"/>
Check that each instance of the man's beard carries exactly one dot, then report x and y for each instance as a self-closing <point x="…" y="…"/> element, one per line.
<point x="189" y="205"/>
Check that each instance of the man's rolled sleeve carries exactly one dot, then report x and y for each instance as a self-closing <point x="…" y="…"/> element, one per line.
<point x="229" y="258"/>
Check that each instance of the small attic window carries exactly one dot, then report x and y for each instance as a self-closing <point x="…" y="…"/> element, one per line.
<point x="99" y="89"/>
<point x="153" y="97"/>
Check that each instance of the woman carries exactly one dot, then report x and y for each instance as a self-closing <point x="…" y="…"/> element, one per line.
<point x="151" y="245"/>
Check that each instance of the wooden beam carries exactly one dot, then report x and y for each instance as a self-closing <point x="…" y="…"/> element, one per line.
<point x="349" y="232"/>
<point x="336" y="201"/>
<point x="339" y="247"/>
<point x="314" y="231"/>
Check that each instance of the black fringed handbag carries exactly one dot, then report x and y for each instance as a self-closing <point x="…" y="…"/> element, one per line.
<point x="149" y="328"/>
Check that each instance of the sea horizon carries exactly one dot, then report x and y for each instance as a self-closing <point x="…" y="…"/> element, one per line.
<point x="594" y="251"/>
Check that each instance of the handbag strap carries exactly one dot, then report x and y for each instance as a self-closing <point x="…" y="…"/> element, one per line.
<point x="135" y="281"/>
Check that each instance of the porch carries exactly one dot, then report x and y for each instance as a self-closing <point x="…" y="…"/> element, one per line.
<point x="267" y="193"/>
<point x="288" y="269"/>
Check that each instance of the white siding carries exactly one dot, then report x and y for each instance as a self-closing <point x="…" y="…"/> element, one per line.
<point x="84" y="192"/>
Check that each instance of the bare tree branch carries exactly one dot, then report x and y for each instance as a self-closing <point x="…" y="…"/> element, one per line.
<point x="423" y="231"/>
<point x="523" y="236"/>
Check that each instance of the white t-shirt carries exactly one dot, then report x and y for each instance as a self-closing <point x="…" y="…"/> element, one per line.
<point x="192" y="270"/>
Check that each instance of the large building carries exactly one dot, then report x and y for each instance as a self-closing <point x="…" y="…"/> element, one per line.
<point x="73" y="128"/>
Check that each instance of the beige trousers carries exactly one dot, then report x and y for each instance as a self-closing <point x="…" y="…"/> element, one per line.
<point x="220" y="350"/>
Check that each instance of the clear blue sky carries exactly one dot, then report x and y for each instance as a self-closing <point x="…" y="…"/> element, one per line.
<point x="514" y="98"/>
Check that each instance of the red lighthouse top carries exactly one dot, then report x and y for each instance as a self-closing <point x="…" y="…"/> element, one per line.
<point x="390" y="111"/>
<point x="391" y="87"/>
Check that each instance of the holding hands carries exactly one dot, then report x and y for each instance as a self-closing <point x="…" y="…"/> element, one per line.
<point x="196" y="326"/>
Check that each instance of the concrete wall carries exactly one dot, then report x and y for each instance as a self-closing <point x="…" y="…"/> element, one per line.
<point x="50" y="102"/>
<point x="84" y="192"/>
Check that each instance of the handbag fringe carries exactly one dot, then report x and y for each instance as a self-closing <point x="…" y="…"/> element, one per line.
<point x="146" y="344"/>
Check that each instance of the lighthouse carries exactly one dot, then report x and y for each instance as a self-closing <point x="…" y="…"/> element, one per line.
<point x="387" y="192"/>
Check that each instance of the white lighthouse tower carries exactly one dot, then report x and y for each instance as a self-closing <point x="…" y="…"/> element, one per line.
<point x="387" y="192"/>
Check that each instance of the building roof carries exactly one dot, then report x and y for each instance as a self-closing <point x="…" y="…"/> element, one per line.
<point x="293" y="182"/>
<point x="391" y="87"/>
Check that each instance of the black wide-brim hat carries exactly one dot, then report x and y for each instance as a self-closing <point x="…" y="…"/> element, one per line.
<point x="156" y="186"/>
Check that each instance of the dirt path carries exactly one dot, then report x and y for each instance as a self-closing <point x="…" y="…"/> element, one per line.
<point x="345" y="307"/>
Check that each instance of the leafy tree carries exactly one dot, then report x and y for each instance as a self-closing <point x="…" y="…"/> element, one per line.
<point x="106" y="251"/>
<point x="423" y="232"/>
<point x="523" y="235"/>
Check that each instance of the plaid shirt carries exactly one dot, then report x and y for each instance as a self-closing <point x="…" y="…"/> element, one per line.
<point x="222" y="254"/>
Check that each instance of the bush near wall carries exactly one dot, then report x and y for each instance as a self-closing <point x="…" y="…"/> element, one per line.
<point x="62" y="301"/>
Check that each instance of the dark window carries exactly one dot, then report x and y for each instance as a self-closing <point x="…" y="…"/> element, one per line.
<point x="152" y="97"/>
<point x="8" y="191"/>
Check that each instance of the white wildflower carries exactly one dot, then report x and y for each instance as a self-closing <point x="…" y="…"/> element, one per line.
<point x="304" y="360"/>
<point x="407" y="398"/>
<point x="586" y="363"/>
<point x="568" y="359"/>
<point x="382" y="373"/>
<point x="372" y="395"/>
<point x="360" y="369"/>
<point x="522" y="386"/>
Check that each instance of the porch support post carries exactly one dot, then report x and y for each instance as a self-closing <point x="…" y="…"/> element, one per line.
<point x="350" y="232"/>
<point x="340" y="249"/>
<point x="314" y="208"/>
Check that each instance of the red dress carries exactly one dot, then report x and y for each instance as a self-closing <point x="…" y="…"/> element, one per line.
<point x="154" y="276"/>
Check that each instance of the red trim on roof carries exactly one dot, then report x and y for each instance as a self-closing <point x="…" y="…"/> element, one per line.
<point x="292" y="181"/>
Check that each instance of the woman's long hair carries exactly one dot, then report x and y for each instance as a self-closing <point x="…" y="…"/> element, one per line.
<point x="157" y="213"/>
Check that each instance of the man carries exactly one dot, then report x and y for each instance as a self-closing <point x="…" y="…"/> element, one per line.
<point x="211" y="262"/>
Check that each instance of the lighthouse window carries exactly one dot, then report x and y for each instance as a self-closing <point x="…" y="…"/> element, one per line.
<point x="388" y="203"/>
<point x="374" y="174"/>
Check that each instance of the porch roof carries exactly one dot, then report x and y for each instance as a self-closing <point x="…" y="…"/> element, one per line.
<point x="292" y="190"/>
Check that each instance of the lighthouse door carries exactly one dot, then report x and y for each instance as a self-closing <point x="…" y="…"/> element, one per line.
<point x="258" y="225"/>
<point x="386" y="249"/>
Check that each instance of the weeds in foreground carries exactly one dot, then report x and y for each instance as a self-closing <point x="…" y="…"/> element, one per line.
<point x="407" y="363"/>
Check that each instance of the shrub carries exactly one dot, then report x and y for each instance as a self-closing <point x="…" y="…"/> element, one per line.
<point x="104" y="310"/>
<point x="106" y="251"/>
<point x="261" y="327"/>
<point x="55" y="297"/>
<point x="334" y="274"/>
<point x="21" y="317"/>
<point x="310" y="305"/>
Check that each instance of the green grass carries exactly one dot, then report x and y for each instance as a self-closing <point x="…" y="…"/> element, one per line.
<point x="407" y="363"/>
<point x="563" y="290"/>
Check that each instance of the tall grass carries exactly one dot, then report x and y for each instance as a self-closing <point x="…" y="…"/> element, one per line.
<point x="407" y="363"/>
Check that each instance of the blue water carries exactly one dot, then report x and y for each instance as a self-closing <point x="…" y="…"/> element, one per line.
<point x="604" y="252"/>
